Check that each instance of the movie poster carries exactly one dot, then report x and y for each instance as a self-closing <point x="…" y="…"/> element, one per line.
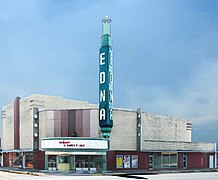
<point x="134" y="161"/>
<point x="119" y="161"/>
<point x="126" y="161"/>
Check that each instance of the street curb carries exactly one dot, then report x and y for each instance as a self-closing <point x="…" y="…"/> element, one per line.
<point x="121" y="174"/>
<point x="22" y="172"/>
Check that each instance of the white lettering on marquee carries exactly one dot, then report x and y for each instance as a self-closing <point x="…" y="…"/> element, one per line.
<point x="74" y="144"/>
<point x="102" y="58"/>
<point x="102" y="77"/>
<point x="102" y="95"/>
<point x="102" y="114"/>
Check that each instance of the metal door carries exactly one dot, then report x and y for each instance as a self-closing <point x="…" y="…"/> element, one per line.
<point x="211" y="161"/>
<point x="151" y="162"/>
<point x="184" y="161"/>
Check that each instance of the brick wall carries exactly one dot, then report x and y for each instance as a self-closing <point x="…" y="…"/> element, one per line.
<point x="143" y="163"/>
<point x="39" y="160"/>
<point x="123" y="134"/>
<point x="198" y="160"/>
<point x="6" y="159"/>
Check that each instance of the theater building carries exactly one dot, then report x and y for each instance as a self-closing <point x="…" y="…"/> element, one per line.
<point x="56" y="134"/>
<point x="49" y="132"/>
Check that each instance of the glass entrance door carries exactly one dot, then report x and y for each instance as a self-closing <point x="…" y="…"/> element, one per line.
<point x="89" y="163"/>
<point x="82" y="163"/>
<point x="52" y="165"/>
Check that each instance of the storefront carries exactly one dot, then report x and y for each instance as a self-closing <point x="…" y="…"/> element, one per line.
<point x="75" y="154"/>
<point x="135" y="160"/>
<point x="24" y="159"/>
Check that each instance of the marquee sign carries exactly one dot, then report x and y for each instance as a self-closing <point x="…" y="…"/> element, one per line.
<point x="74" y="144"/>
<point x="106" y="81"/>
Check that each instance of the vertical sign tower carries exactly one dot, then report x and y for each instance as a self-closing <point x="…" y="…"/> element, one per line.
<point x="106" y="80"/>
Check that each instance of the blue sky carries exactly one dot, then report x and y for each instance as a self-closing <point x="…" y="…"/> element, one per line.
<point x="165" y="54"/>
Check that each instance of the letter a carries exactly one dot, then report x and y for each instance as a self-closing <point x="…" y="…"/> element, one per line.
<point x="102" y="114"/>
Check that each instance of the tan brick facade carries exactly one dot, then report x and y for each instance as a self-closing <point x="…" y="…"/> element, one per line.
<point x="123" y="134"/>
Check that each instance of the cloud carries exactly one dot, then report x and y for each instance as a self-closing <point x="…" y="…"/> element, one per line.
<point x="165" y="53"/>
<point x="197" y="100"/>
<point x="204" y="87"/>
<point x="205" y="132"/>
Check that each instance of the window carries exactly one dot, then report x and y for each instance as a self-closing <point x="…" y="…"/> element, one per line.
<point x="63" y="159"/>
<point x="157" y="160"/>
<point x="169" y="160"/>
<point x="29" y="160"/>
<point x="173" y="160"/>
<point x="52" y="163"/>
<point x="165" y="160"/>
<point x="217" y="161"/>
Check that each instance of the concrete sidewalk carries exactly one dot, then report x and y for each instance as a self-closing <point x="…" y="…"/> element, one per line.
<point x="22" y="171"/>
<point x="36" y="172"/>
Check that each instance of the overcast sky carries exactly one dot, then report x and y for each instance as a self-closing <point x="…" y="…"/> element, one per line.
<point x="165" y="54"/>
